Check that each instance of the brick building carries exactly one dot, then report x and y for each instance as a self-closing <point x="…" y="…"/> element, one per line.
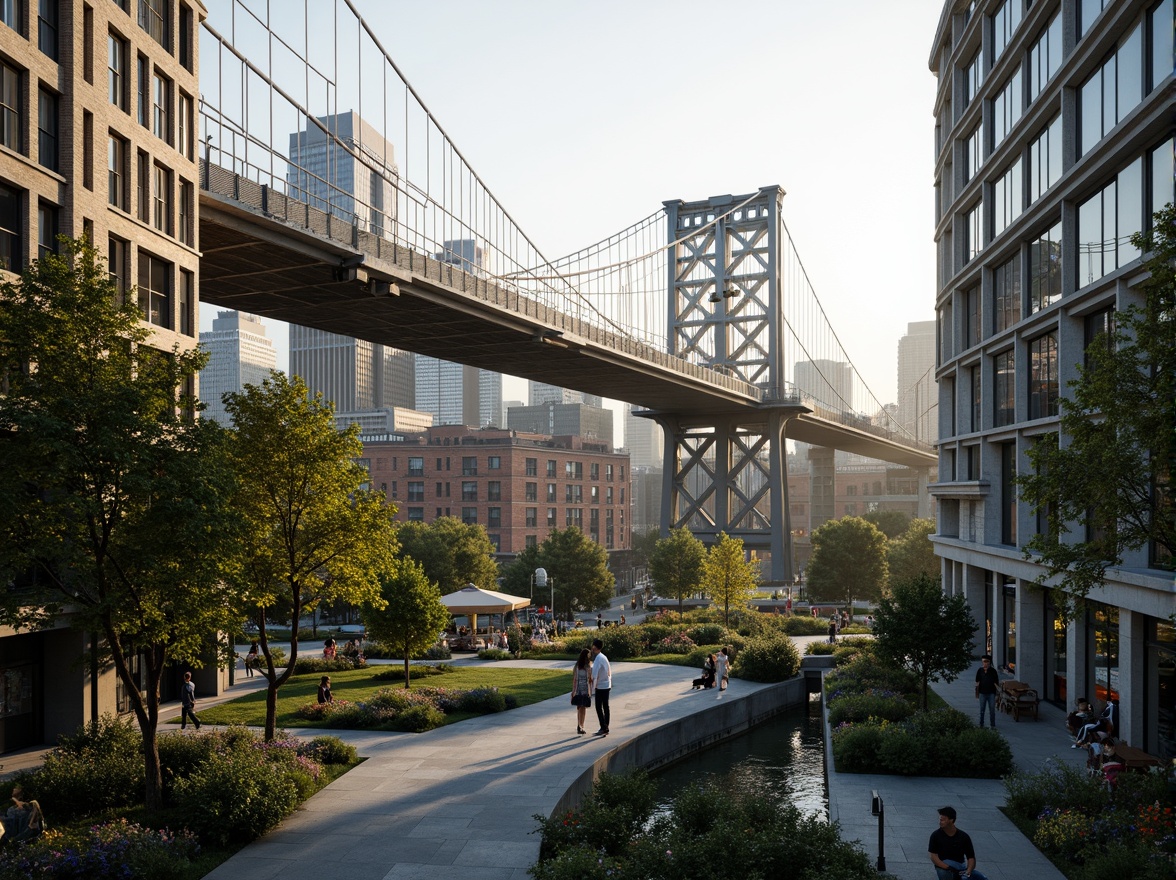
<point x="518" y="486"/>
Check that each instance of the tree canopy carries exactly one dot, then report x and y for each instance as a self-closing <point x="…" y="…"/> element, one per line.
<point x="727" y="576"/>
<point x="452" y="553"/>
<point x="676" y="565"/>
<point x="577" y="565"/>
<point x="410" y="616"/>
<point x="891" y="523"/>
<point x="1106" y="488"/>
<point x="923" y="630"/>
<point x="116" y="510"/>
<point x="848" y="562"/>
<point x="912" y="553"/>
<point x="313" y="533"/>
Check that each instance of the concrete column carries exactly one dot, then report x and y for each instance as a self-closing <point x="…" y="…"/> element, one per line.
<point x="821" y="501"/>
<point x="1077" y="661"/>
<point x="974" y="592"/>
<point x="781" y="536"/>
<point x="1030" y="631"/>
<point x="669" y="499"/>
<point x="1132" y="662"/>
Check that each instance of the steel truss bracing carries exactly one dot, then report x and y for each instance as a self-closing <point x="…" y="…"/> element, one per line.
<point x="727" y="472"/>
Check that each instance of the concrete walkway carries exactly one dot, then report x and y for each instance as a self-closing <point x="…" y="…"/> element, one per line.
<point x="1002" y="852"/>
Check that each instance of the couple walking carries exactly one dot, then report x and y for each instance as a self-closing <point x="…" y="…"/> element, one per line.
<point x="592" y="676"/>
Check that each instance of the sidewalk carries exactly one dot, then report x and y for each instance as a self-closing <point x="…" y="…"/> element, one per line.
<point x="911" y="803"/>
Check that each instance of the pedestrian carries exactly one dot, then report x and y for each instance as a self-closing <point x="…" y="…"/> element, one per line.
<point x="622" y="620"/>
<point x="722" y="665"/>
<point x="951" y="850"/>
<point x="844" y="619"/>
<point x="602" y="682"/>
<point x="832" y="630"/>
<point x="252" y="659"/>
<point x="816" y="612"/>
<point x="788" y="607"/>
<point x="986" y="682"/>
<point x="188" y="702"/>
<point x="324" y="691"/>
<point x="599" y="620"/>
<point x="582" y="688"/>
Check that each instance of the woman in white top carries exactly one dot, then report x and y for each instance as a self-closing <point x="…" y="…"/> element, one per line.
<point x="721" y="663"/>
<point x="582" y="689"/>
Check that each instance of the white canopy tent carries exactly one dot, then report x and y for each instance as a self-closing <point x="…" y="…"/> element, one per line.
<point x="473" y="600"/>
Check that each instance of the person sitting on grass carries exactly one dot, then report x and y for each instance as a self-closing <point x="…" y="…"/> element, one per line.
<point x="23" y="820"/>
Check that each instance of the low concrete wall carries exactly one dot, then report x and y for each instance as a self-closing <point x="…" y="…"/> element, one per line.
<point x="691" y="733"/>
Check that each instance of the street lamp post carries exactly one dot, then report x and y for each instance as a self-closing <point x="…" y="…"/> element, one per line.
<point x="541" y="579"/>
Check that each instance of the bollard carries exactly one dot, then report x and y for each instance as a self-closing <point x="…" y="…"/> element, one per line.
<point x="877" y="808"/>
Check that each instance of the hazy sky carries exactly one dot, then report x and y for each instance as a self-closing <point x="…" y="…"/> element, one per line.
<point x="582" y="118"/>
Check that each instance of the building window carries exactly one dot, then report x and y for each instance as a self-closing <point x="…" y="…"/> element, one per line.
<point x="1003" y="388"/>
<point x="574" y="470"/>
<point x="550" y="468"/>
<point x="1043" y="376"/>
<point x="594" y="471"/>
<point x="116" y="62"/>
<point x="188" y="305"/>
<point x="116" y="167"/>
<point x="10" y="13"/>
<point x="187" y="57"/>
<point x="532" y="467"/>
<point x="469" y="466"/>
<point x="1111" y="92"/>
<point x="608" y="472"/>
<point x="161" y="213"/>
<point x="416" y="466"/>
<point x="416" y="514"/>
<point x="1045" y="159"/>
<point x="574" y="516"/>
<point x="974" y="231"/>
<point x="1162" y="167"/>
<point x="1007" y="199"/>
<point x="185" y="232"/>
<point x="161" y="107"/>
<point x="531" y="541"/>
<point x="551" y="517"/>
<point x="144" y="78"/>
<point x="494" y="490"/>
<point x="1045" y="269"/>
<point x="1098" y="328"/>
<point x="416" y="490"/>
<point x="155" y="289"/>
<point x="1005" y="22"/>
<point x="1106" y="222"/>
<point x="1008" y="493"/>
<point x="1088" y="11"/>
<point x="608" y="495"/>
<point x="46" y="229"/>
<point x="974" y="381"/>
<point x="143" y="186"/>
<point x="1045" y="56"/>
<point x="155" y="18"/>
<point x="494" y="517"/>
<point x="469" y="515"/>
<point x="10" y="105"/>
<point x="973" y="73"/>
<point x="974" y="152"/>
<point x="469" y="491"/>
<point x="531" y="492"/>
<point x="47" y="129"/>
<point x="551" y="490"/>
<point x="972" y="317"/>
<point x="47" y="27"/>
<point x="1006" y="108"/>
<point x="118" y="254"/>
<point x="1006" y="294"/>
<point x="184" y="129"/>
<point x="11" y="249"/>
<point x="595" y="494"/>
<point x="1160" y="43"/>
<point x="532" y="517"/>
<point x="494" y="463"/>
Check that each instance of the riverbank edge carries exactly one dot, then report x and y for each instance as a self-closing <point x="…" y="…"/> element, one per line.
<point x="679" y="739"/>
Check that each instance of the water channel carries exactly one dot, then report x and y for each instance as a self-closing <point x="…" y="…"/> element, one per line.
<point x="784" y="756"/>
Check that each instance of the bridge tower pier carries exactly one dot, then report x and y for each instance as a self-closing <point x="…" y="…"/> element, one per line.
<point x="726" y="471"/>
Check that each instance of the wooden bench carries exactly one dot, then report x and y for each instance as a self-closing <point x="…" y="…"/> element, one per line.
<point x="1135" y="759"/>
<point x="1026" y="702"/>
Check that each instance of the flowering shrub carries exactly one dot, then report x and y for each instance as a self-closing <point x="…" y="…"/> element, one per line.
<point x="395" y="708"/>
<point x="1063" y="832"/>
<point x="118" y="849"/>
<point x="1156" y="824"/>
<point x="675" y="643"/>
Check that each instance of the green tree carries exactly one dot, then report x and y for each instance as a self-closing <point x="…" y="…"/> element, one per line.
<point x="1111" y="477"/>
<point x="642" y="547"/>
<point x="451" y="552"/>
<point x="727" y="576"/>
<point x="116" y="511"/>
<point x="925" y="631"/>
<point x="848" y="562"/>
<point x="410" y="615"/>
<point x="578" y="565"/>
<point x="314" y="534"/>
<point x="891" y="523"/>
<point x="676" y="565"/>
<point x="912" y="553"/>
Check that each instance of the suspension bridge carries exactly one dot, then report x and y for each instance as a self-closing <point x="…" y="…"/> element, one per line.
<point x="332" y="197"/>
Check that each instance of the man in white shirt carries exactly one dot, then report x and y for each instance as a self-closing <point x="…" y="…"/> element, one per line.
<point x="602" y="675"/>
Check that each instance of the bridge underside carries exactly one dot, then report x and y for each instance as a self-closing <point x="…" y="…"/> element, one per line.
<point x="328" y="280"/>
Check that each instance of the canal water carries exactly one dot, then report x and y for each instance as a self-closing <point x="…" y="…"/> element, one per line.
<point x="784" y="756"/>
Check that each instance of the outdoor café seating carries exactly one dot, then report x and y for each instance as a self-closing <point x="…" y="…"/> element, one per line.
<point x="1017" y="698"/>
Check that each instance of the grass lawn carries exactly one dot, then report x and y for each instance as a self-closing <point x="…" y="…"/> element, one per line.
<point x="356" y="685"/>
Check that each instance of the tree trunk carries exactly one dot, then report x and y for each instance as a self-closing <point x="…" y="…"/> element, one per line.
<point x="407" y="677"/>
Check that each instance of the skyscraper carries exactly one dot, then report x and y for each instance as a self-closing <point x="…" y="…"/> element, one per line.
<point x="358" y="376"/>
<point x="240" y="353"/>
<point x="830" y="383"/>
<point x="643" y="441"/>
<point x="540" y="393"/>
<point x="918" y="399"/>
